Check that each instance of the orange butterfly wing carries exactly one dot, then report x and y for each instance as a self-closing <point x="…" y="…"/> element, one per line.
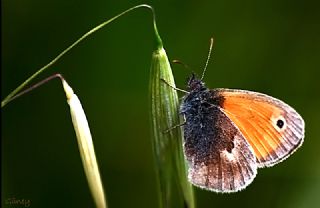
<point x="272" y="128"/>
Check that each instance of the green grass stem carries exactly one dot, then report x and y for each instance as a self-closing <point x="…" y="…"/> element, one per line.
<point x="175" y="190"/>
<point x="9" y="97"/>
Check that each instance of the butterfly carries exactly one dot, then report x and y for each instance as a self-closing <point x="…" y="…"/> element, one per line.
<point x="229" y="134"/>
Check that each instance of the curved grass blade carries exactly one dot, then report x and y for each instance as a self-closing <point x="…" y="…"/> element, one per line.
<point x="9" y="97"/>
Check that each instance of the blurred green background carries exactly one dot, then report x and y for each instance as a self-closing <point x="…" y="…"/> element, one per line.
<point x="267" y="46"/>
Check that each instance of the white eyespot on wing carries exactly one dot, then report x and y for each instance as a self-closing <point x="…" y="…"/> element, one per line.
<point x="279" y="123"/>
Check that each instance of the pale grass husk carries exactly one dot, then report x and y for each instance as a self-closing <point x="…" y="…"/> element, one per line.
<point x="86" y="148"/>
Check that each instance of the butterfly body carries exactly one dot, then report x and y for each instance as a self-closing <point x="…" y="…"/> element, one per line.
<point x="228" y="134"/>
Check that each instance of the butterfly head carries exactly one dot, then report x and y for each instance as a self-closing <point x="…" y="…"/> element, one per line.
<point x="195" y="84"/>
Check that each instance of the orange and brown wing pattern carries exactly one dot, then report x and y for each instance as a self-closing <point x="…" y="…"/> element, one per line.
<point x="273" y="129"/>
<point x="221" y="159"/>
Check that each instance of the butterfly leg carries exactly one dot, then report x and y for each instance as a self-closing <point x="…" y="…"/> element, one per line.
<point x="178" y="89"/>
<point x="175" y="126"/>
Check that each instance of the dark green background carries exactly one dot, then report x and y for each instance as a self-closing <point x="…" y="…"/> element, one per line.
<point x="267" y="46"/>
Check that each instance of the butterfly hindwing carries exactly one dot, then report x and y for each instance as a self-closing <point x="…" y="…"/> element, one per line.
<point x="219" y="157"/>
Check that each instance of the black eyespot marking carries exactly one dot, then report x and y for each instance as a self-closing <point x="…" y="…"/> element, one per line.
<point x="230" y="147"/>
<point x="280" y="123"/>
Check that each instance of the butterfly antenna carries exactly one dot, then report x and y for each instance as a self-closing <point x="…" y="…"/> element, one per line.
<point x="208" y="58"/>
<point x="176" y="61"/>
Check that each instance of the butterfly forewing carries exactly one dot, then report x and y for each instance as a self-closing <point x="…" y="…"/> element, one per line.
<point x="272" y="128"/>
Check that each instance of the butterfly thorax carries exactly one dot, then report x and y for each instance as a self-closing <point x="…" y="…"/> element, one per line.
<point x="200" y="99"/>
